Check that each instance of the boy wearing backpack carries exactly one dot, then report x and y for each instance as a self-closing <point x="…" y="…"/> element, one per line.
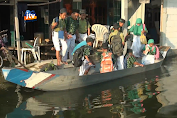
<point x="87" y="62"/>
<point x="151" y="53"/>
<point x="107" y="59"/>
<point x="131" y="60"/>
<point x="59" y="32"/>
<point x="116" y="39"/>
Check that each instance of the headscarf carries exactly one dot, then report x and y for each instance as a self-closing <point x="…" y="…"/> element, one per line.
<point x="150" y="41"/>
<point x="138" y="29"/>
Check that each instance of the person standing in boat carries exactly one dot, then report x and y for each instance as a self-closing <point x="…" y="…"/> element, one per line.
<point x="116" y="39"/>
<point x="87" y="62"/>
<point x="151" y="53"/>
<point x="59" y="32"/>
<point x="84" y="26"/>
<point x="72" y="30"/>
<point x="137" y="29"/>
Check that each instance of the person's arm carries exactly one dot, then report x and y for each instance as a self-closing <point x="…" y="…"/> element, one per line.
<point x="136" y="63"/>
<point x="87" y="54"/>
<point x="133" y="60"/>
<point x="122" y="37"/>
<point x="88" y="28"/>
<point x="110" y="36"/>
<point x="131" y="29"/>
<point x="54" y="24"/>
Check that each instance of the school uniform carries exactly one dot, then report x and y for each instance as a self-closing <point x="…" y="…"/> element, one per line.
<point x="120" y="59"/>
<point x="69" y="44"/>
<point x="85" y="65"/>
<point x="82" y="29"/>
<point x="55" y="34"/>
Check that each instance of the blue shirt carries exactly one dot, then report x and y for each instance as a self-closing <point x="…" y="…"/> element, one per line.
<point x="79" y="45"/>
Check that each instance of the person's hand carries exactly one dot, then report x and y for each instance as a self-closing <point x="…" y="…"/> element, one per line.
<point x="54" y="24"/>
<point x="144" y="52"/>
<point x="90" y="64"/>
<point x="143" y="31"/>
<point x="148" y="50"/>
<point x="141" y="65"/>
<point x="69" y="36"/>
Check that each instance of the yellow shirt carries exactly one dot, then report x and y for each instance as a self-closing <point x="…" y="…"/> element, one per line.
<point x="83" y="26"/>
<point x="61" y="25"/>
<point x="115" y="33"/>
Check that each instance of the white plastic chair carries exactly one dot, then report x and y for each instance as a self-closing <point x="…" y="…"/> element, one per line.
<point x="99" y="30"/>
<point x="34" y="49"/>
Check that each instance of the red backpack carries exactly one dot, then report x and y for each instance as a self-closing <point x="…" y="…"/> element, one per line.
<point x="106" y="63"/>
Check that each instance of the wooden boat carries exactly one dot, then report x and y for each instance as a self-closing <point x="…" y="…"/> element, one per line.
<point x="67" y="77"/>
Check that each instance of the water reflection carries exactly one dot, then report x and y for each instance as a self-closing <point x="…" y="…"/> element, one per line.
<point x="120" y="102"/>
<point x="130" y="97"/>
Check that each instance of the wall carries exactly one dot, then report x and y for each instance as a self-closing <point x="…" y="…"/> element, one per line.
<point x="169" y="25"/>
<point x="135" y="10"/>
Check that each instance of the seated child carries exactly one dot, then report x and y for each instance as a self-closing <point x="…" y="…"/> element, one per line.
<point x="107" y="59"/>
<point x="151" y="53"/>
<point x="131" y="60"/>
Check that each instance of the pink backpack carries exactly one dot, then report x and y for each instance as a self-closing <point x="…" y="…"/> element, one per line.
<point x="157" y="52"/>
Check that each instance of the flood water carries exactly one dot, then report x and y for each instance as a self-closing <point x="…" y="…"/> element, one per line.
<point x="105" y="100"/>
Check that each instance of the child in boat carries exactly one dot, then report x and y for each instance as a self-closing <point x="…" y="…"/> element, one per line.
<point x="131" y="60"/>
<point x="87" y="63"/>
<point x="107" y="59"/>
<point x="149" y="51"/>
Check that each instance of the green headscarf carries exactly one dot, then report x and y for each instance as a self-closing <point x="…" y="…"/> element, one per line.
<point x="138" y="29"/>
<point x="150" y="41"/>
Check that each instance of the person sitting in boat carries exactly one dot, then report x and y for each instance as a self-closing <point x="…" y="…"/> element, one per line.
<point x="151" y="52"/>
<point x="87" y="63"/>
<point x="131" y="60"/>
<point x="107" y="59"/>
<point x="116" y="39"/>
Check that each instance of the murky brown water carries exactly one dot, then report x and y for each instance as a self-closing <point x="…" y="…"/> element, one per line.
<point x="97" y="101"/>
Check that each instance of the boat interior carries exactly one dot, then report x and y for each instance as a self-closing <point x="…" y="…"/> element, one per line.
<point x="68" y="70"/>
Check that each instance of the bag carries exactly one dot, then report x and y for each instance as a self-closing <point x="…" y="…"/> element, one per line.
<point x="157" y="52"/>
<point x="106" y="63"/>
<point x="77" y="57"/>
<point x="117" y="47"/>
<point x="143" y="37"/>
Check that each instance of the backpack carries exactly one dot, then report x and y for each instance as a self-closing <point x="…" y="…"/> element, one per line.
<point x="106" y="63"/>
<point x="77" y="57"/>
<point x="117" y="47"/>
<point x="157" y="52"/>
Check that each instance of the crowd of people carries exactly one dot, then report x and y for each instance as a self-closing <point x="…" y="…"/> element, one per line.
<point x="68" y="29"/>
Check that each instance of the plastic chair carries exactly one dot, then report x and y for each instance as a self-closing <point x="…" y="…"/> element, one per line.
<point x="99" y="30"/>
<point x="34" y="49"/>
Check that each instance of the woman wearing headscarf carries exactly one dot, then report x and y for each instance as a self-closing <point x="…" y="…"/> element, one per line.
<point x="137" y="29"/>
<point x="149" y="51"/>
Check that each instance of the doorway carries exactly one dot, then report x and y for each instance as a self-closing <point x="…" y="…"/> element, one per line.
<point x="152" y="20"/>
<point x="97" y="11"/>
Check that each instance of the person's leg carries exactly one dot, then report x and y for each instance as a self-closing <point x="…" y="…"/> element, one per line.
<point x="65" y="46"/>
<point x="72" y="46"/>
<point x="56" y="43"/>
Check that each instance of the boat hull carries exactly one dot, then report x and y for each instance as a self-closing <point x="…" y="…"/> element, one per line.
<point x="64" y="79"/>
